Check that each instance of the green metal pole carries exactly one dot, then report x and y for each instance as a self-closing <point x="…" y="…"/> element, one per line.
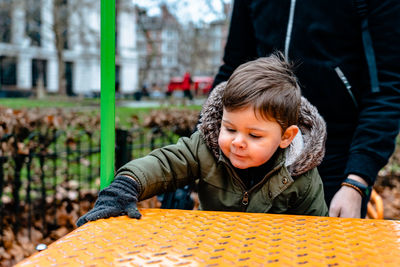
<point x="107" y="99"/>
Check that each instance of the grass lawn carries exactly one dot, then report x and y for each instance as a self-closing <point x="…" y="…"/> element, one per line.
<point x="48" y="102"/>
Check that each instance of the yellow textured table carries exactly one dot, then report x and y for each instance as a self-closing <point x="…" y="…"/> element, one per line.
<point x="199" y="238"/>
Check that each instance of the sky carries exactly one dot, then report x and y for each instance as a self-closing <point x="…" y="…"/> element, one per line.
<point x="187" y="10"/>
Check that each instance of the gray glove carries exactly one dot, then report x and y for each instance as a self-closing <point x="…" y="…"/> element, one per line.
<point x="119" y="198"/>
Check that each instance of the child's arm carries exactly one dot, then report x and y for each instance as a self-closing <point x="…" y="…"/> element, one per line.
<point x="168" y="168"/>
<point x="164" y="169"/>
<point x="119" y="198"/>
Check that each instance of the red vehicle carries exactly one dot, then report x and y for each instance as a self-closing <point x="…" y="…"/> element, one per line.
<point x="200" y="84"/>
<point x="174" y="84"/>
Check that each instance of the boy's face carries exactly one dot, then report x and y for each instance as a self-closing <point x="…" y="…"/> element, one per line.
<point x="248" y="140"/>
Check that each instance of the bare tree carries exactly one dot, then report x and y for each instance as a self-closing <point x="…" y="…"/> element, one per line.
<point x="60" y="29"/>
<point x="151" y="50"/>
<point x="64" y="11"/>
<point x="61" y="26"/>
<point x="194" y="46"/>
<point x="224" y="15"/>
<point x="192" y="37"/>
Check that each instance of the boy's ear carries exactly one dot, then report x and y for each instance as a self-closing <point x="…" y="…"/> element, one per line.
<point x="288" y="136"/>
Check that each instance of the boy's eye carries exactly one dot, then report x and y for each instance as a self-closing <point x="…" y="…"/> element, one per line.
<point x="254" y="136"/>
<point x="230" y="130"/>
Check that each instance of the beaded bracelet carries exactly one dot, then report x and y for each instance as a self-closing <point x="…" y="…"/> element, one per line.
<point x="354" y="187"/>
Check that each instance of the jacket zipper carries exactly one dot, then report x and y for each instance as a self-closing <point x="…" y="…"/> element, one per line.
<point x="289" y="28"/>
<point x="346" y="83"/>
<point x="245" y="199"/>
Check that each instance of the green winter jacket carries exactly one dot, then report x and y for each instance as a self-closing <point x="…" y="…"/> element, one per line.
<point x="289" y="187"/>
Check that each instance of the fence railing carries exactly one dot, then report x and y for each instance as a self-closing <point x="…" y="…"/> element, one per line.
<point x="48" y="173"/>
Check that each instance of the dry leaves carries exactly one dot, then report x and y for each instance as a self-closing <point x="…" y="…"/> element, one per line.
<point x="180" y="122"/>
<point x="61" y="216"/>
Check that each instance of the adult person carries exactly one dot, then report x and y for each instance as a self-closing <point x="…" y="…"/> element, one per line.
<point x="187" y="86"/>
<point x="348" y="64"/>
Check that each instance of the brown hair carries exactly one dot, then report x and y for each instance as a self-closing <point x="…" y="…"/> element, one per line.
<point x="269" y="86"/>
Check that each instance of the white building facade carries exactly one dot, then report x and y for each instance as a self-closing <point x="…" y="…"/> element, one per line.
<point x="28" y="53"/>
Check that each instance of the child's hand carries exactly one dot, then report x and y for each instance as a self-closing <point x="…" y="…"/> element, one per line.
<point x="119" y="198"/>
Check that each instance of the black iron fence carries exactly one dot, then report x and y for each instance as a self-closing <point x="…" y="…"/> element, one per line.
<point x="49" y="180"/>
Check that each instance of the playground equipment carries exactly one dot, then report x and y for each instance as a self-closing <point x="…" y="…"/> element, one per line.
<point x="165" y="237"/>
<point x="199" y="238"/>
<point x="107" y="97"/>
<point x="375" y="206"/>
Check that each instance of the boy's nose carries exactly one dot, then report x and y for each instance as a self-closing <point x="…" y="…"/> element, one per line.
<point x="238" y="141"/>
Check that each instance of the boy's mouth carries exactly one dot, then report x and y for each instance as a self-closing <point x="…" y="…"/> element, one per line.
<point x="238" y="155"/>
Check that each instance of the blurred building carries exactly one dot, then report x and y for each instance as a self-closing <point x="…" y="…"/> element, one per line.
<point x="158" y="39"/>
<point x="218" y="31"/>
<point x="207" y="50"/>
<point x="168" y="49"/>
<point x="36" y="34"/>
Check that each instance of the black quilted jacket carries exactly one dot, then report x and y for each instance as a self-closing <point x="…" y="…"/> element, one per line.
<point x="323" y="38"/>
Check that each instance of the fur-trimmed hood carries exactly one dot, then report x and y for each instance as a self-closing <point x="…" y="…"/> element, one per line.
<point x="304" y="153"/>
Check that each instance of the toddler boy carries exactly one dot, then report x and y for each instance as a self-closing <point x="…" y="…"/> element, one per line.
<point x="256" y="150"/>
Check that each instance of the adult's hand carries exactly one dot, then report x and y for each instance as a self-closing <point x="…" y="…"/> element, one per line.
<point x="119" y="198"/>
<point x="347" y="201"/>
